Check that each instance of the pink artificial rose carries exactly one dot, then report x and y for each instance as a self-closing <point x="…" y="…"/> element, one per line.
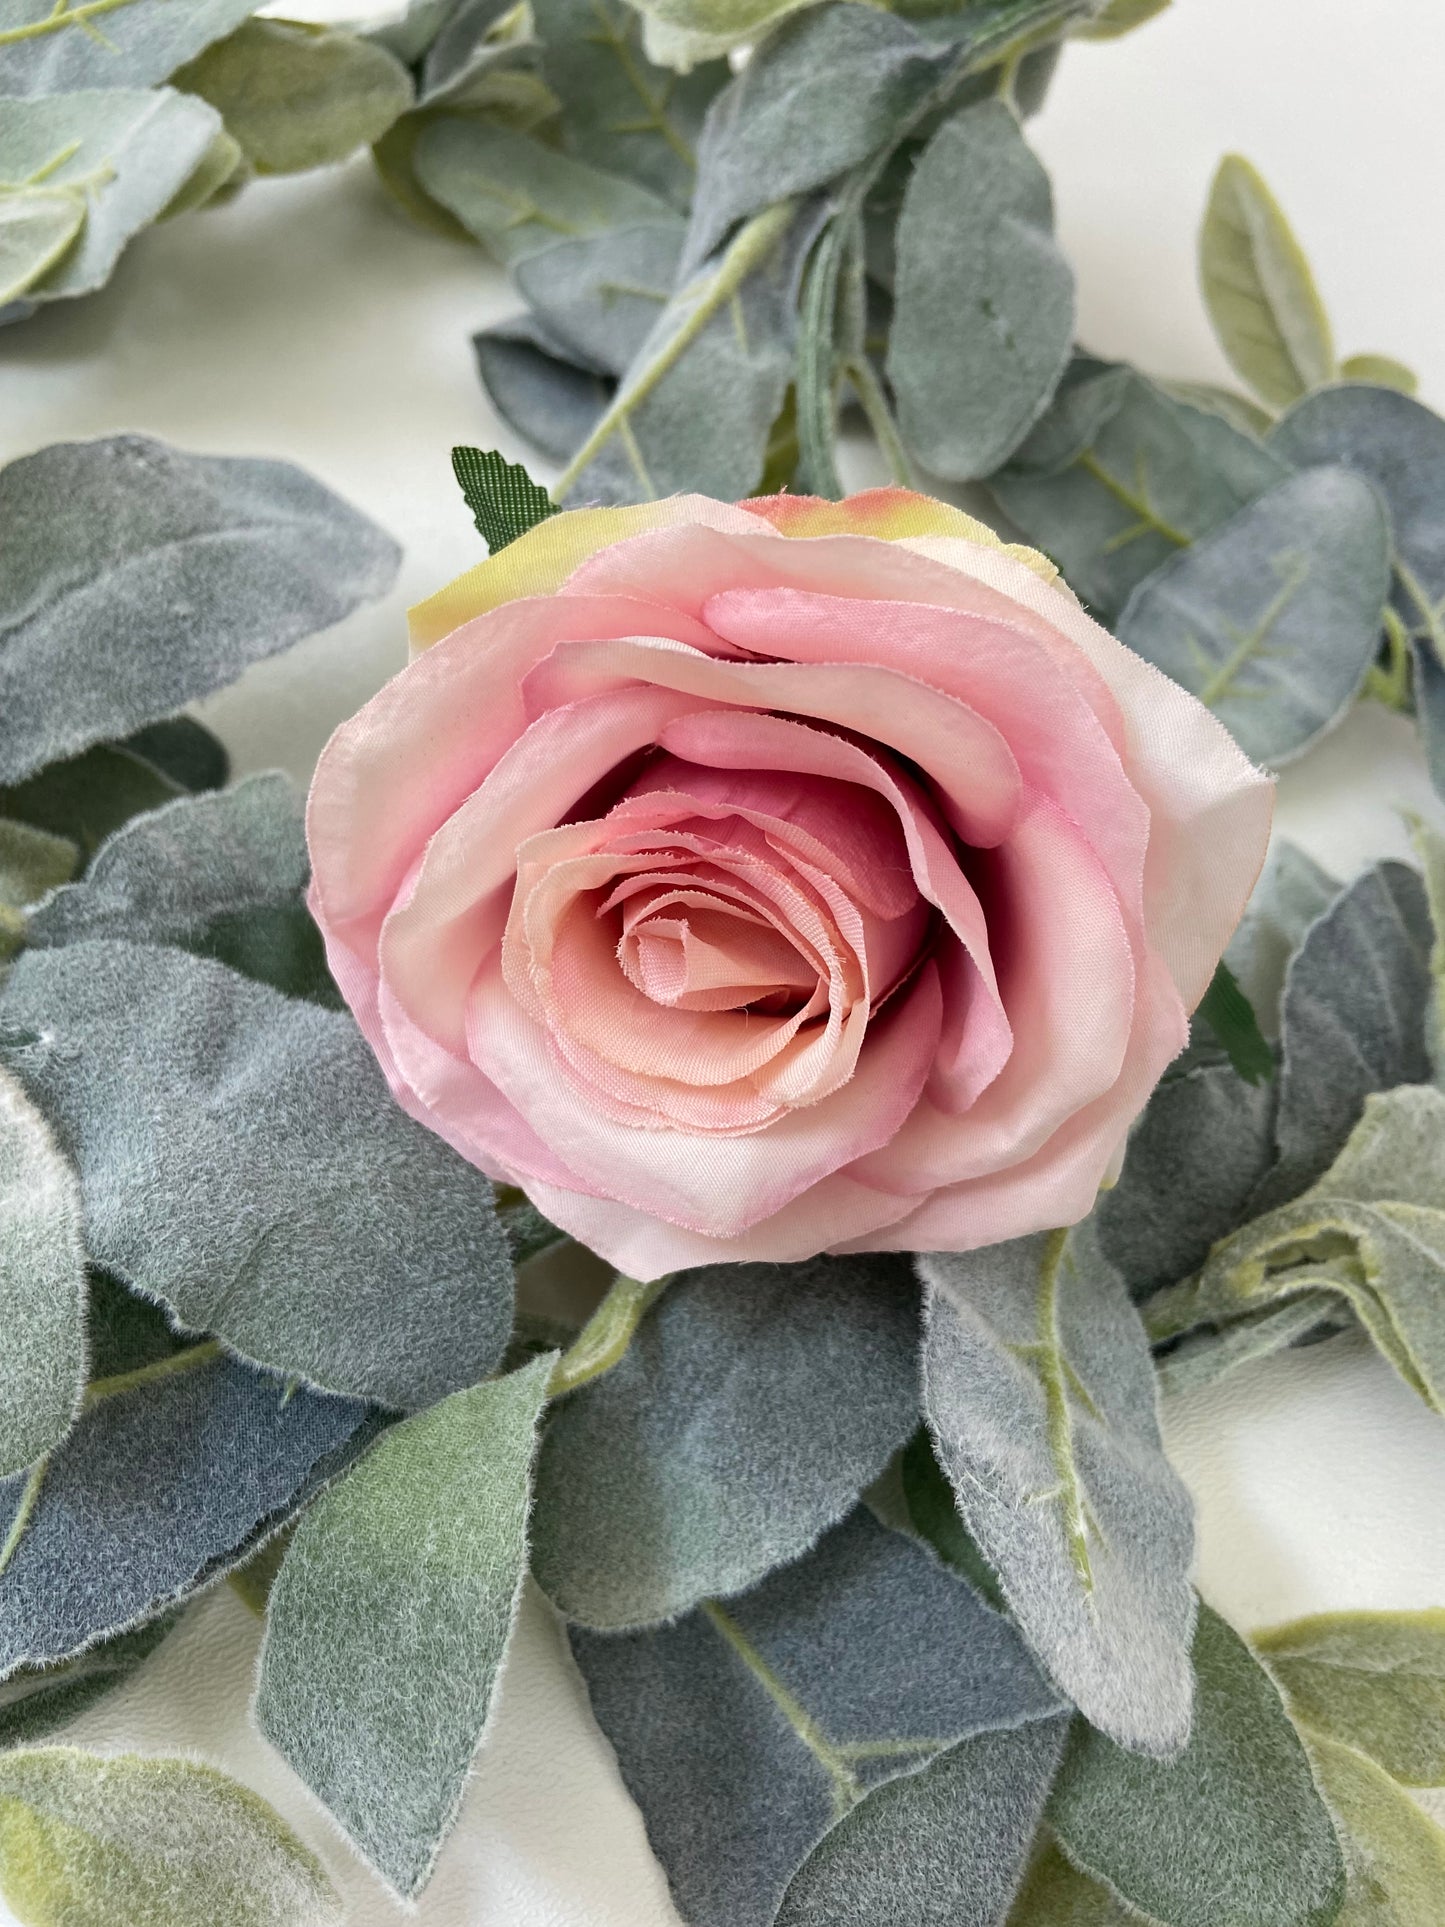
<point x="748" y="882"/>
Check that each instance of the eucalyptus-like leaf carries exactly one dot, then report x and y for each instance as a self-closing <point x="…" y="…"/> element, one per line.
<point x="1259" y="290"/>
<point x="1089" y="393"/>
<point x="389" y="1619"/>
<point x="746" y="1731"/>
<point x="1394" y="1853"/>
<point x="66" y="49"/>
<point x="126" y="154"/>
<point x="1158" y="475"/>
<point x="242" y="1160"/>
<point x="1040" y="1395"/>
<point x="297" y="96"/>
<point x="1273" y="620"/>
<point x="1291" y="893"/>
<point x="132" y="1840"/>
<point x="42" y="1285"/>
<point x="39" y="1700"/>
<point x="472" y="39"/>
<point x="600" y="295"/>
<point x="1232" y="1833"/>
<point x="38" y="225"/>
<point x="618" y="110"/>
<point x="1238" y="410"/>
<point x="176" y="1471"/>
<point x="548" y="399"/>
<point x="983" y="299"/>
<point x="515" y="195"/>
<point x="751" y="1408"/>
<point x="504" y="500"/>
<point x="192" y="566"/>
<point x="222" y="165"/>
<point x="1375" y="1680"/>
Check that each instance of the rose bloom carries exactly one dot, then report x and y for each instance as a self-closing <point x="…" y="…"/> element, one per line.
<point x="749" y="882"/>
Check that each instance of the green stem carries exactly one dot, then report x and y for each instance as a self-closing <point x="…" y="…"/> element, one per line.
<point x="1390" y="684"/>
<point x="60" y="17"/>
<point x="171" y="1366"/>
<point x="1136" y="501"/>
<point x="874" y="403"/>
<point x="28" y="1500"/>
<point x="1429" y="613"/>
<point x="604" y="1339"/>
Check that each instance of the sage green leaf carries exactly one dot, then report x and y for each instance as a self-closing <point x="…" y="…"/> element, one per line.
<point x="1158" y="475"/>
<point x="31" y="862"/>
<point x="242" y="1160"/>
<point x="515" y="195"/>
<point x="394" y="157"/>
<point x="126" y="154"/>
<point x="410" y="33"/>
<point x="1371" y="1232"/>
<point x="751" y="1408"/>
<point x="138" y="43"/>
<point x="536" y="390"/>
<point x="85" y="798"/>
<point x="504" y="500"/>
<point x="944" y="1847"/>
<point x="1206" y="1354"/>
<point x="220" y="166"/>
<point x="600" y="295"/>
<point x="1117" y="18"/>
<point x="1373" y="1680"/>
<point x="1273" y="620"/>
<point x="194" y="566"/>
<point x="696" y="408"/>
<point x="1383" y="370"/>
<point x="42" y="1285"/>
<point x="1232" y="1833"/>
<point x="680" y="33"/>
<point x="1230" y="1017"/>
<point x="390" y="1617"/>
<point x="1394" y="1853"/>
<point x="618" y="110"/>
<point x="176" y="1471"/>
<point x="123" y="1840"/>
<point x="746" y="1731"/>
<point x="1291" y="893"/>
<point x="1259" y="290"/>
<point x="39" y="1700"/>
<point x="184" y="750"/>
<point x="1193" y="1162"/>
<point x="929" y="1509"/>
<point x="37" y="226"/>
<point x="1056" y="1894"/>
<point x="1241" y="413"/>
<point x="473" y="38"/>
<point x="983" y="299"/>
<point x="1089" y="393"/>
<point x="297" y="96"/>
<point x="1039" y="1391"/>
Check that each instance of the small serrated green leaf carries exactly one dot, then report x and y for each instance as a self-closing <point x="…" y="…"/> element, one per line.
<point x="1383" y="370"/>
<point x="1230" y="1015"/>
<point x="1375" y="1681"/>
<point x="1259" y="290"/>
<point x="504" y="500"/>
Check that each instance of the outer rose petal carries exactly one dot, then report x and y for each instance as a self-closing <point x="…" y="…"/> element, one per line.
<point x="891" y="514"/>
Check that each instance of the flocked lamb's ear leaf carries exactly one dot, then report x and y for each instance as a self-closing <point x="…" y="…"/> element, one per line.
<point x="1230" y="1016"/>
<point x="746" y="1731"/>
<point x="1374" y="1680"/>
<point x="1208" y="1352"/>
<point x="1157" y="476"/>
<point x="1232" y="1830"/>
<point x="297" y="96"/>
<point x="174" y="1473"/>
<point x="504" y="500"/>
<point x="976" y="1807"/>
<point x="39" y="1700"/>
<point x="1259" y="290"/>
<point x="1194" y="1160"/>
<point x="87" y="797"/>
<point x="185" y="751"/>
<point x="241" y="1158"/>
<point x="617" y="112"/>
<point x="983" y="299"/>
<point x="537" y="389"/>
<point x="1394" y="1852"/>
<point x="130" y="1840"/>
<point x="600" y="294"/>
<point x="1273" y="620"/>
<point x="42" y="1285"/>
<point x="194" y="566"/>
<point x="389" y="1619"/>
<point x="1056" y="1894"/>
<point x="127" y="153"/>
<point x="1371" y="1233"/>
<point x="751" y="1408"/>
<point x="142" y="44"/>
<point x="1292" y="891"/>
<point x="1040" y="1394"/>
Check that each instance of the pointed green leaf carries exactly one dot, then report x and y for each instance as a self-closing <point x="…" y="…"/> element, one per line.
<point x="983" y="300"/>
<point x="37" y="226"/>
<point x="504" y="500"/>
<point x="1259" y="290"/>
<point x="1383" y="370"/>
<point x="138" y="43"/>
<point x="1232" y="1833"/>
<point x="184" y="750"/>
<point x="1230" y="1015"/>
<point x="85" y="798"/>
<point x="389" y="1620"/>
<point x="1374" y="1680"/>
<point x="38" y="1700"/>
<point x="132" y="1841"/>
<point x="1040" y="1394"/>
<point x="1119" y="17"/>
<point x="1056" y="1894"/>
<point x="1394" y="1853"/>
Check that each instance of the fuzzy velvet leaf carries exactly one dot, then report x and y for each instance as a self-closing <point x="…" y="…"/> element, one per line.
<point x="241" y="1158"/>
<point x="746" y="1731"/>
<point x="389" y="1619"/>
<point x="1040" y="1394"/>
<point x="1394" y="1853"/>
<point x="32" y="862"/>
<point x="132" y="1841"/>
<point x="1056" y="1894"/>
<point x="42" y="1285"/>
<point x="547" y="398"/>
<point x="1273" y="620"/>
<point x="983" y="299"/>
<point x="1232" y="1833"/>
<point x="85" y="798"/>
<point x="752" y="1407"/>
<point x="38" y="1700"/>
<point x="136" y="45"/>
<point x="600" y="295"/>
<point x="193" y="566"/>
<point x="1374" y="1680"/>
<point x="1291" y="893"/>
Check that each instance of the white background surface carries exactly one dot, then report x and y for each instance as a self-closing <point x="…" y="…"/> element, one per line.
<point x="310" y="320"/>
